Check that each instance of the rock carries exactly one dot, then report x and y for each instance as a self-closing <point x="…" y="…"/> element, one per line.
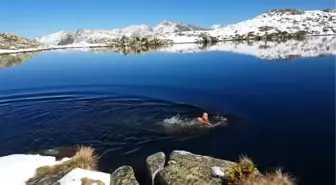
<point x="188" y="168"/>
<point x="155" y="163"/>
<point x="10" y="41"/>
<point x="124" y="175"/>
<point x="300" y="33"/>
<point x="47" y="180"/>
<point x="287" y="11"/>
<point x="141" y="41"/>
<point x="67" y="39"/>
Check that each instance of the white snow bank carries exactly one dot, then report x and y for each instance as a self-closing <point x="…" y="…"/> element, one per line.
<point x="216" y="171"/>
<point x="182" y="152"/>
<point x="84" y="45"/>
<point x="18" y="168"/>
<point x="74" y="177"/>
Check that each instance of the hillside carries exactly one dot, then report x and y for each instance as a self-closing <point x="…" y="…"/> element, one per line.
<point x="10" y="41"/>
<point x="284" y="23"/>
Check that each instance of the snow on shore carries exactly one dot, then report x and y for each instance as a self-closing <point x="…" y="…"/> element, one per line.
<point x="76" y="175"/>
<point x="84" y="45"/>
<point x="16" y="169"/>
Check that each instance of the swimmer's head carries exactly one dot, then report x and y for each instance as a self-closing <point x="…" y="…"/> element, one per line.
<point x="205" y="116"/>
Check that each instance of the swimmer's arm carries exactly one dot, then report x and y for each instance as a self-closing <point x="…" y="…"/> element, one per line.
<point x="208" y="123"/>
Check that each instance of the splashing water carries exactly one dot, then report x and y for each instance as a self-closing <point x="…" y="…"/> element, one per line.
<point x="178" y="120"/>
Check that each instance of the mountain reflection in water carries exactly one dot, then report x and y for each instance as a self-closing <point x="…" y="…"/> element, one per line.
<point x="267" y="50"/>
<point x="10" y="60"/>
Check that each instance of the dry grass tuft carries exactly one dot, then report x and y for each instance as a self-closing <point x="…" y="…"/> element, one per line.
<point x="84" y="158"/>
<point x="244" y="172"/>
<point x="275" y="178"/>
<point x="244" y="168"/>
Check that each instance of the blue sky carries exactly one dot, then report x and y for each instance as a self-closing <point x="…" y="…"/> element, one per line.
<point x="33" y="18"/>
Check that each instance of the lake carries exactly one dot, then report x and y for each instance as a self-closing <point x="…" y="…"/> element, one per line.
<point x="278" y="97"/>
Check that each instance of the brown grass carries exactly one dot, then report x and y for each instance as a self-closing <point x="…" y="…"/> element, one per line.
<point x="84" y="159"/>
<point x="274" y="178"/>
<point x="244" y="168"/>
<point x="244" y="172"/>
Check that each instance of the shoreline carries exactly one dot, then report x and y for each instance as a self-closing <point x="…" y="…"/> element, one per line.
<point x="57" y="47"/>
<point x="175" y="167"/>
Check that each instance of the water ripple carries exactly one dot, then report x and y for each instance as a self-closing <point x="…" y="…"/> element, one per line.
<point x="66" y="118"/>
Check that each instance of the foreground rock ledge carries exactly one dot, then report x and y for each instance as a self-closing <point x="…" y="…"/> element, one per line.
<point x="188" y="168"/>
<point x="155" y="163"/>
<point x="123" y="176"/>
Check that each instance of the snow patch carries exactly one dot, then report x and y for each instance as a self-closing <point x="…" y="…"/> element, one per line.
<point x="83" y="45"/>
<point x="18" y="168"/>
<point x="74" y="177"/>
<point x="216" y="171"/>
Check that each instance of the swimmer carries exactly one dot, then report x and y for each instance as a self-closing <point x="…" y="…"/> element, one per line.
<point x="204" y="119"/>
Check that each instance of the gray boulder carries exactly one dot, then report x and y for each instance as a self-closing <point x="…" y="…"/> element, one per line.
<point x="68" y="38"/>
<point x="207" y="39"/>
<point x="155" y="163"/>
<point x="188" y="168"/>
<point x="124" y="175"/>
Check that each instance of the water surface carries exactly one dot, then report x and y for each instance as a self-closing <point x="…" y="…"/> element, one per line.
<point x="280" y="112"/>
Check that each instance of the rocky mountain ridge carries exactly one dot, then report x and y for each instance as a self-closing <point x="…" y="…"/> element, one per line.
<point x="112" y="36"/>
<point x="280" y="23"/>
<point x="10" y="41"/>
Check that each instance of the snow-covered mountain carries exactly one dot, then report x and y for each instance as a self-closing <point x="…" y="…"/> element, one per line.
<point x="285" y="20"/>
<point x="82" y="36"/>
<point x="282" y="23"/>
<point x="173" y="27"/>
<point x="107" y="36"/>
<point x="274" y="23"/>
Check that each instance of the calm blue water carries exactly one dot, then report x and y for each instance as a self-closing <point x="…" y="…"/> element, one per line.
<point x="281" y="112"/>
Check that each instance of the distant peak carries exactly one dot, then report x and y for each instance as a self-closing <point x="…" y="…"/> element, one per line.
<point x="168" y="22"/>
